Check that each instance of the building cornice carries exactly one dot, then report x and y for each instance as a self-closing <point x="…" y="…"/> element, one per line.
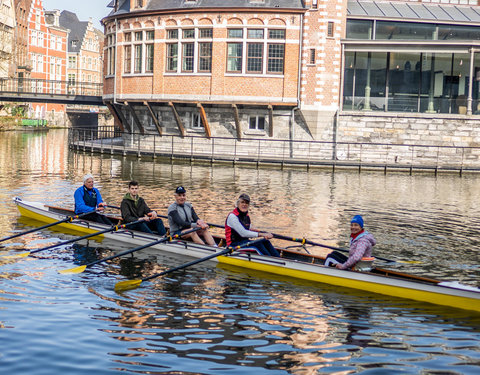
<point x="155" y="13"/>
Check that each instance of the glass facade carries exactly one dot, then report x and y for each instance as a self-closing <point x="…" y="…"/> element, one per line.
<point x="433" y="81"/>
<point x="410" y="82"/>
<point x="381" y="30"/>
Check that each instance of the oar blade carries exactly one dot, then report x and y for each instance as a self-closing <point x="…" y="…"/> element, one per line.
<point x="78" y="269"/>
<point x="15" y="256"/>
<point x="127" y="285"/>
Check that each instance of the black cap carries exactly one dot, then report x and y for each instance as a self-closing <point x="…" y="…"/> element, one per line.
<point x="245" y="197"/>
<point x="180" y="190"/>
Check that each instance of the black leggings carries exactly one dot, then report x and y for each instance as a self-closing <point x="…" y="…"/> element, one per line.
<point x="334" y="258"/>
<point x="264" y="247"/>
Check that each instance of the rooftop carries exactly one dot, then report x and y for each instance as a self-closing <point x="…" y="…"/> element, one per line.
<point x="367" y="9"/>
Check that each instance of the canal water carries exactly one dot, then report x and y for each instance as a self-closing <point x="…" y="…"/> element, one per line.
<point x="221" y="320"/>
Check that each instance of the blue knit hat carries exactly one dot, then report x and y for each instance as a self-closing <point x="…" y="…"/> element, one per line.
<point x="357" y="219"/>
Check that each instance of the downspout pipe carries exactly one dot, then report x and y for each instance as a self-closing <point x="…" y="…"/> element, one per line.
<point x="115" y="67"/>
<point x="340" y="105"/>
<point x="299" y="86"/>
<point x="300" y="52"/>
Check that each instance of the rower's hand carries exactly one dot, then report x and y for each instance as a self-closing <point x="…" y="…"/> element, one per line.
<point x="101" y="206"/>
<point x="146" y="218"/>
<point x="152" y="215"/>
<point x="202" y="224"/>
<point x="266" y="235"/>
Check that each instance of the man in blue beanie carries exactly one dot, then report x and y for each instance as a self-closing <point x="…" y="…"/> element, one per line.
<point x="361" y="244"/>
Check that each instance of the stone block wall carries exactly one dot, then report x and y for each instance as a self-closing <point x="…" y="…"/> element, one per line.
<point x="408" y="137"/>
<point x="222" y="123"/>
<point x="419" y="129"/>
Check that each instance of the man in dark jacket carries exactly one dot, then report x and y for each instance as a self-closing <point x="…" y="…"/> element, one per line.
<point x="134" y="208"/>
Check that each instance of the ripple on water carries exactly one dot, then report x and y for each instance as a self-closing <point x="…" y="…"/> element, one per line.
<point x="220" y="320"/>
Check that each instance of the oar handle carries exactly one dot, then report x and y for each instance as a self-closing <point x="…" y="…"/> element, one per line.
<point x="110" y="206"/>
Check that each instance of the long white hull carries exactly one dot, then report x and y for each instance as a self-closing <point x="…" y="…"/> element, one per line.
<point x="380" y="281"/>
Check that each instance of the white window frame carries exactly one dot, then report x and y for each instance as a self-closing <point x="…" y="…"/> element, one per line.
<point x="34" y="38"/>
<point x="40" y="64"/>
<point x="138" y="47"/>
<point x="111" y="46"/>
<point x="58" y="69"/>
<point x="52" y="68"/>
<point x="265" y="42"/>
<point x="196" y="41"/>
<point x="196" y="121"/>
<point x="257" y="117"/>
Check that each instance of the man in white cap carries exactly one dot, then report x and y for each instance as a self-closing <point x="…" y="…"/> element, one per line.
<point x="88" y="198"/>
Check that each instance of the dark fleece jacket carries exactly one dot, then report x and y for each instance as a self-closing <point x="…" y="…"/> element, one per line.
<point x="133" y="209"/>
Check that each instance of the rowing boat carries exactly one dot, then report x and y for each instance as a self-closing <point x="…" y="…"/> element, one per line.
<point x="291" y="263"/>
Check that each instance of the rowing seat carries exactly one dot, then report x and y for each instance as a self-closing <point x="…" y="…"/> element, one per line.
<point x="365" y="264"/>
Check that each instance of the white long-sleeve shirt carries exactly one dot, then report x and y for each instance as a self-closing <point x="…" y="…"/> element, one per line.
<point x="234" y="223"/>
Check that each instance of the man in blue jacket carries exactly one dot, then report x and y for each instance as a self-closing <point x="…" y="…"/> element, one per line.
<point x="88" y="198"/>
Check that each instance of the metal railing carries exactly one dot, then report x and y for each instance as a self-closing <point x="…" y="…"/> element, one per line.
<point x="49" y="87"/>
<point x="276" y="151"/>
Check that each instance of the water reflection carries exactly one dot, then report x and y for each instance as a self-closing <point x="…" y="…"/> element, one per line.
<point x="230" y="319"/>
<point x="226" y="320"/>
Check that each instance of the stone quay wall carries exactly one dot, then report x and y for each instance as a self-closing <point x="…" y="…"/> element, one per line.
<point x="452" y="140"/>
<point x="363" y="142"/>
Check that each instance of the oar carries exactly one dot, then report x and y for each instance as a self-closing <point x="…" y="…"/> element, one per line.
<point x="305" y="241"/>
<point x="69" y="219"/>
<point x="80" y="269"/>
<point x="111" y="229"/>
<point x="132" y="284"/>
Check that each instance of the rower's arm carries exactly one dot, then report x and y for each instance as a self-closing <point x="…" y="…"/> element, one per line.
<point x="80" y="206"/>
<point x="234" y="223"/>
<point x="183" y="224"/>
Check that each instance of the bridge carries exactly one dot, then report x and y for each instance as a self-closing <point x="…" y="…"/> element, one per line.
<point x="50" y="91"/>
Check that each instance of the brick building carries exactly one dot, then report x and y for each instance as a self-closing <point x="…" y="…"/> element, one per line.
<point x="84" y="68"/>
<point x="347" y="70"/>
<point x="47" y="56"/>
<point x="224" y="68"/>
<point x="7" y="27"/>
<point x="85" y="50"/>
<point x="20" y="66"/>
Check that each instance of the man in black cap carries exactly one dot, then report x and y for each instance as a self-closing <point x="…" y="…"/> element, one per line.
<point x="181" y="216"/>
<point x="238" y="229"/>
